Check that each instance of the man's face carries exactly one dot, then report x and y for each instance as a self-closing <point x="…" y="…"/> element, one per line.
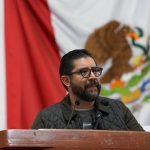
<point x="85" y="88"/>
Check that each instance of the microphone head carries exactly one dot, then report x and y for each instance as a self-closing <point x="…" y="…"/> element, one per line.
<point x="77" y="102"/>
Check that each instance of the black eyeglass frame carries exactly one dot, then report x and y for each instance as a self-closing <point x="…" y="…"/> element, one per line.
<point x="92" y="69"/>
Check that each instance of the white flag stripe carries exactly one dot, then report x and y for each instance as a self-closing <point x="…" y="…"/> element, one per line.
<point x="73" y="21"/>
<point x="2" y="70"/>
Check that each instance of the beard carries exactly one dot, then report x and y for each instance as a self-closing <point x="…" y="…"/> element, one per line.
<point x="90" y="92"/>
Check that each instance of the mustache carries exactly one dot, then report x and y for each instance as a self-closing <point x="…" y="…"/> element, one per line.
<point x="92" y="83"/>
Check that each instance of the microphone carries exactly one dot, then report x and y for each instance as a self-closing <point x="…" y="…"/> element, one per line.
<point x="99" y="114"/>
<point x="98" y="119"/>
<point x="77" y="103"/>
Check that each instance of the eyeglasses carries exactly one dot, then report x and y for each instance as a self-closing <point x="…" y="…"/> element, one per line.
<point x="86" y="72"/>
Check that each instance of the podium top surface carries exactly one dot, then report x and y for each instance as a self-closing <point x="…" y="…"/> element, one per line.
<point x="75" y="139"/>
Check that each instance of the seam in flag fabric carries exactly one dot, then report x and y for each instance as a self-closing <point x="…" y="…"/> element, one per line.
<point x="2" y="70"/>
<point x="35" y="34"/>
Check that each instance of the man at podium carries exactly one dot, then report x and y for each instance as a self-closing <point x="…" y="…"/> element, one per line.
<point x="83" y="107"/>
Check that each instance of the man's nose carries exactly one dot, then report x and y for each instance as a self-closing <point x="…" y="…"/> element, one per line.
<point x="92" y="75"/>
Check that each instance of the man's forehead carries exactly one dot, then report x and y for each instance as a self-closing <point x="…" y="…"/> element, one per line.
<point x="84" y="62"/>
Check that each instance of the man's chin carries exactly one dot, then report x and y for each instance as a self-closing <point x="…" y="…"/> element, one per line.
<point x="92" y="90"/>
<point x="92" y="93"/>
<point x="92" y="96"/>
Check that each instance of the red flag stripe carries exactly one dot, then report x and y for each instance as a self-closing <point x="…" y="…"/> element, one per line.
<point x="32" y="61"/>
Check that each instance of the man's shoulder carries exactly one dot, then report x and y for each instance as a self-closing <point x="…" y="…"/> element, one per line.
<point x="107" y="100"/>
<point x="55" y="108"/>
<point x="51" y="108"/>
<point x="110" y="102"/>
<point x="112" y="106"/>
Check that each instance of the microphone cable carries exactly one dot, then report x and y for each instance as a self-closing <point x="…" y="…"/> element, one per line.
<point x="77" y="102"/>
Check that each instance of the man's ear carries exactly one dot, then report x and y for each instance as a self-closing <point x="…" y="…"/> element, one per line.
<point x="65" y="80"/>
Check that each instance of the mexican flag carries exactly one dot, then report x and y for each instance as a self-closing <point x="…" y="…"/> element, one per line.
<point x="35" y="34"/>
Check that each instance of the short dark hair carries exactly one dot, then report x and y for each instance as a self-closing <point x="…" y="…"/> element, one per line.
<point x="66" y="64"/>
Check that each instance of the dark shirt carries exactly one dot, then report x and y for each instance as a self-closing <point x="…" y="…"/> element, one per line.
<point x="87" y="118"/>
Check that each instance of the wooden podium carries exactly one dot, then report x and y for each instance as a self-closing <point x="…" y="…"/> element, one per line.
<point x="74" y="139"/>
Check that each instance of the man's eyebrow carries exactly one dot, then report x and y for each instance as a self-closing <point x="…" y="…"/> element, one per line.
<point x="83" y="68"/>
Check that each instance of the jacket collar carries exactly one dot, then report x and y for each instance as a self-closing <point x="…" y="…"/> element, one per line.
<point x="67" y="109"/>
<point x="100" y="104"/>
